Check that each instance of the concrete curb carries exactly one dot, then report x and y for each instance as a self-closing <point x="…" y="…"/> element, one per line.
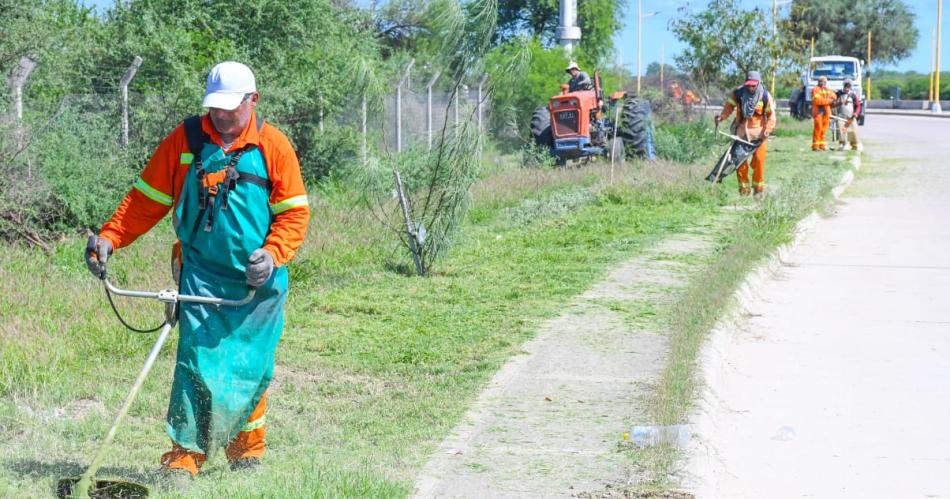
<point x="701" y="475"/>
<point x="899" y="112"/>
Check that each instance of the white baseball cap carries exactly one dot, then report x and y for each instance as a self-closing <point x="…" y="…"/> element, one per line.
<point x="228" y="83"/>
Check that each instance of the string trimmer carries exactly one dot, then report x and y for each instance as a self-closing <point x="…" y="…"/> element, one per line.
<point x="87" y="485"/>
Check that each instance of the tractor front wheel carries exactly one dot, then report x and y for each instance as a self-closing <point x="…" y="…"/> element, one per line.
<point x="541" y="127"/>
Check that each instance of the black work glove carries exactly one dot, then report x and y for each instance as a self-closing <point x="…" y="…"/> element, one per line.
<point x="260" y="266"/>
<point x="96" y="254"/>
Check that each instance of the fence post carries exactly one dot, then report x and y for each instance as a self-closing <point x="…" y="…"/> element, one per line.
<point x="405" y="77"/>
<point x="124" y="85"/>
<point x="17" y="78"/>
<point x="363" y="150"/>
<point x="478" y="105"/>
<point x="429" y="106"/>
<point x="320" y="123"/>
<point x="16" y="81"/>
<point x="458" y="89"/>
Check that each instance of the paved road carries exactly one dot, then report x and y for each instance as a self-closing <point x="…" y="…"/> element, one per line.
<point x="837" y="384"/>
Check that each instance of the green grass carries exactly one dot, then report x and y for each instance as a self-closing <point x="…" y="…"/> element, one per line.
<point x="375" y="367"/>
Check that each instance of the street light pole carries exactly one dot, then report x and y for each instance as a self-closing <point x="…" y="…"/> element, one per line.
<point x="640" y="17"/>
<point x="774" y="14"/>
<point x="869" y="64"/>
<point x="936" y="106"/>
<point x="640" y="40"/>
<point x="662" y="62"/>
<point x="930" y="80"/>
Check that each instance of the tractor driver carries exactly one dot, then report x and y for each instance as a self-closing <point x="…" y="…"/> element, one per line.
<point x="579" y="79"/>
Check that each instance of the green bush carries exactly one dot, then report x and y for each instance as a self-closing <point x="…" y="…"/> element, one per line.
<point x="685" y="143"/>
<point x="73" y="174"/>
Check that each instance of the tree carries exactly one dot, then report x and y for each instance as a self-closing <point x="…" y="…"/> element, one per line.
<point x="723" y="43"/>
<point x="841" y="27"/>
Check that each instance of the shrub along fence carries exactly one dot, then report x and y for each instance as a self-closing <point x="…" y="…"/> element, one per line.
<point x="66" y="168"/>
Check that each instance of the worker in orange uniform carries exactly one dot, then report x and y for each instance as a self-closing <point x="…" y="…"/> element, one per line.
<point x="755" y="121"/>
<point x="240" y="214"/>
<point x="822" y="99"/>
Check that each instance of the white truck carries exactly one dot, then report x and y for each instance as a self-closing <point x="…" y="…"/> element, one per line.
<point x="838" y="69"/>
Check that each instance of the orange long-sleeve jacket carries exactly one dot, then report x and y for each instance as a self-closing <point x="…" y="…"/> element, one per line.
<point x="752" y="127"/>
<point x="822" y="97"/>
<point x="159" y="186"/>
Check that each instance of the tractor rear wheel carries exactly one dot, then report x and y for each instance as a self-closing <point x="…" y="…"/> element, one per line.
<point x="636" y="131"/>
<point x="541" y="127"/>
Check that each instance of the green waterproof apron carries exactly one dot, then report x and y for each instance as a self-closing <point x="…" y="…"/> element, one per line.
<point x="225" y="355"/>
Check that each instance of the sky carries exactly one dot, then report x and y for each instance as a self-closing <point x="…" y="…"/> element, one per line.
<point x="657" y="36"/>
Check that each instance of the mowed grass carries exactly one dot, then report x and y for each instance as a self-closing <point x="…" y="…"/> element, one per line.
<point x="375" y="366"/>
<point x="799" y="182"/>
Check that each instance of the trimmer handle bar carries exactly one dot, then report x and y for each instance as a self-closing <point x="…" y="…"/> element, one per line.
<point x="172" y="296"/>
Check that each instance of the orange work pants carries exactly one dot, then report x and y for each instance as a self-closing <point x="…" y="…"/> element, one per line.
<point x="821" y="127"/>
<point x="758" y="170"/>
<point x="248" y="443"/>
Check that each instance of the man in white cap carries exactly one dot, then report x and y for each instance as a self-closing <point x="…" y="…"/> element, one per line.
<point x="579" y="79"/>
<point x="240" y="213"/>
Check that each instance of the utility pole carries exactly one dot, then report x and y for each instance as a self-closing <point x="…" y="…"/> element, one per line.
<point x="568" y="32"/>
<point x="640" y="17"/>
<point x="936" y="106"/>
<point x="868" y="67"/>
<point x="639" y="40"/>
<point x="662" y="62"/>
<point x="930" y="78"/>
<point x="774" y="31"/>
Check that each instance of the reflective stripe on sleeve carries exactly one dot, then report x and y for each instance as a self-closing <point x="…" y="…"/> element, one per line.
<point x="152" y="193"/>
<point x="253" y="425"/>
<point x="186" y="158"/>
<point x="289" y="203"/>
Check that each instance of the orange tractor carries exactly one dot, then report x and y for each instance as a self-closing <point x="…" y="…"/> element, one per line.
<point x="581" y="125"/>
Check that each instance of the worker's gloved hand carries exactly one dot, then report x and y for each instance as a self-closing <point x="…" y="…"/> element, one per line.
<point x="259" y="267"/>
<point x="717" y="119"/>
<point x="96" y="254"/>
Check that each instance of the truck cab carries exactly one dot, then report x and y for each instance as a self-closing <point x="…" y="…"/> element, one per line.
<point x="837" y="68"/>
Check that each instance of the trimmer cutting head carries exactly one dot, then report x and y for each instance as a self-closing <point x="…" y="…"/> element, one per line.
<point x="102" y="489"/>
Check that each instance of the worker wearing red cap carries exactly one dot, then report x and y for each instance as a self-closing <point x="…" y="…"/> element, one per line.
<point x="755" y="120"/>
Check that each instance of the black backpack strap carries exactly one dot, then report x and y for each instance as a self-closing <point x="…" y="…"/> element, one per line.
<point x="196" y="138"/>
<point x="195" y="135"/>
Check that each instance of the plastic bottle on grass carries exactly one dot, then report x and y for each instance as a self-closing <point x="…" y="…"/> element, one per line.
<point x="648" y="436"/>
